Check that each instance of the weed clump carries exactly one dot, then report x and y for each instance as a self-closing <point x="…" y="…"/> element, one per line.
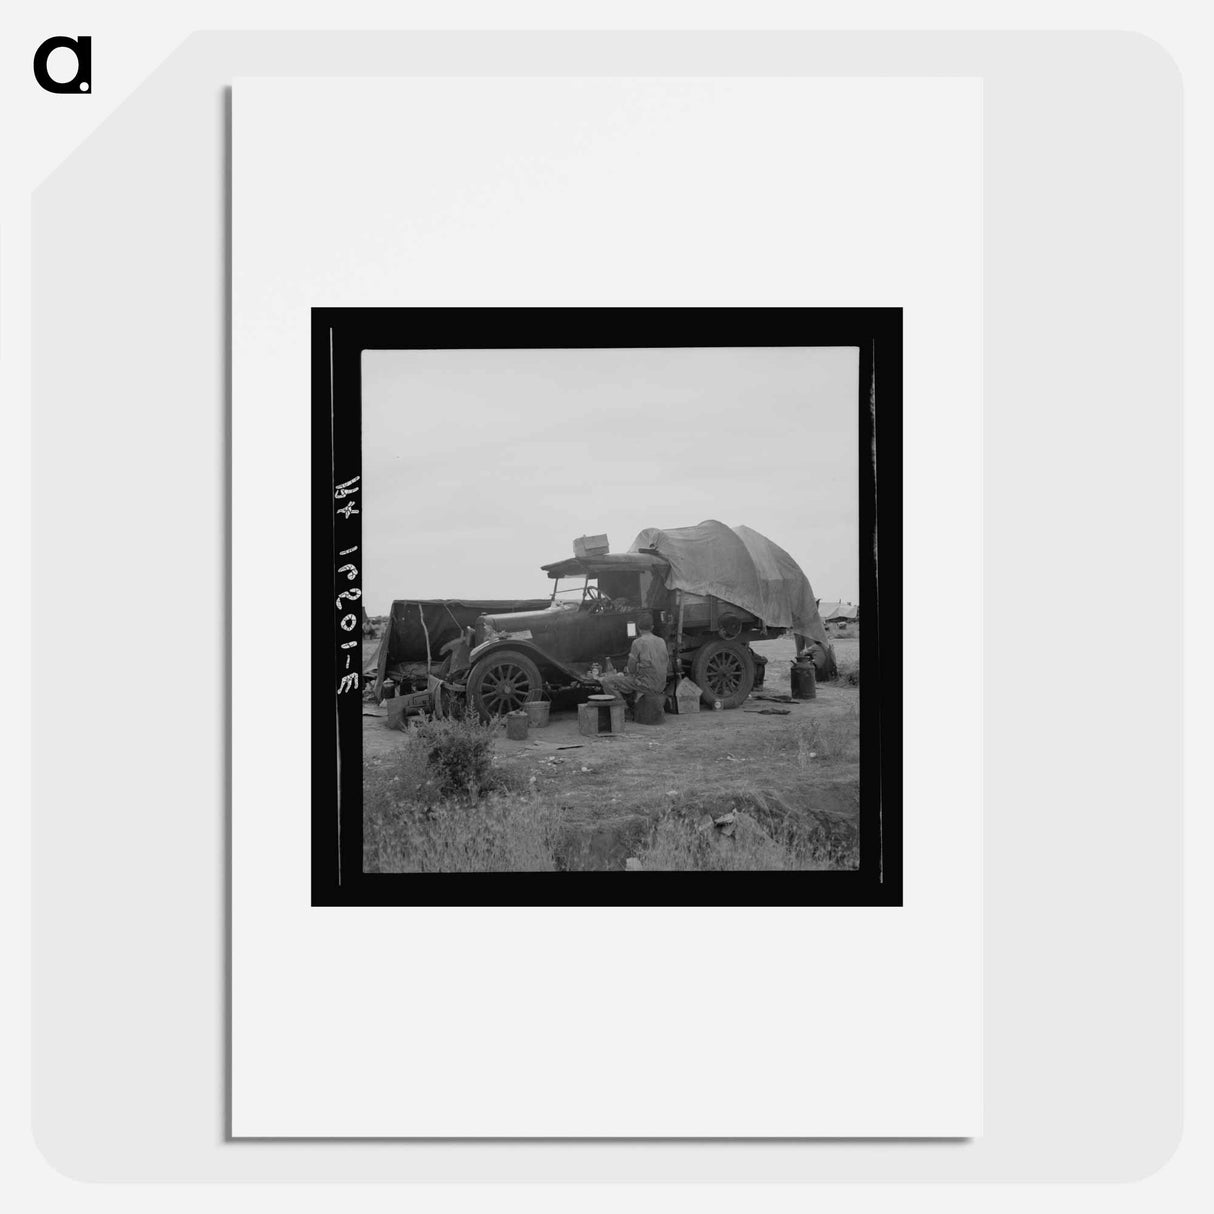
<point x="440" y="805"/>
<point x="849" y="673"/>
<point x="458" y="755"/>
<point x="499" y="833"/>
<point x="680" y="845"/>
<point x="816" y="742"/>
<point x="831" y="739"/>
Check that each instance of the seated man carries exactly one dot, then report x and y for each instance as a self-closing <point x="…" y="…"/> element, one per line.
<point x="648" y="662"/>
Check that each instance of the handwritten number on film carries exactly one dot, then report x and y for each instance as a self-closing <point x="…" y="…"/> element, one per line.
<point x="349" y="621"/>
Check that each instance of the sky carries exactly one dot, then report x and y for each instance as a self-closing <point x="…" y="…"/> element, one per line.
<point x="479" y="466"/>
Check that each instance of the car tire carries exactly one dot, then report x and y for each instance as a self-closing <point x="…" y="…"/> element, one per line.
<point x="725" y="671"/>
<point x="503" y="682"/>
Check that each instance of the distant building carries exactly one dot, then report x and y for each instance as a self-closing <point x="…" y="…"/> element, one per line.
<point x="839" y="613"/>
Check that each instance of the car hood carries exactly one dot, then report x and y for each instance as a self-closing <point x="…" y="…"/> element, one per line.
<point x="521" y="621"/>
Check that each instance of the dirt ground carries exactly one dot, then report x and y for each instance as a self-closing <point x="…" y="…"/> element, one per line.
<point x="610" y="787"/>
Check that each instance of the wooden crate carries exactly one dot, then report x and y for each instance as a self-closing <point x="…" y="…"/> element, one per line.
<point x="595" y="718"/>
<point x="587" y="546"/>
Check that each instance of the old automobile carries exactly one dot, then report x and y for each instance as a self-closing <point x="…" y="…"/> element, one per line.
<point x="711" y="590"/>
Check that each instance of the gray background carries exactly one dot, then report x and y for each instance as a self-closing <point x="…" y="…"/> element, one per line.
<point x="1082" y="505"/>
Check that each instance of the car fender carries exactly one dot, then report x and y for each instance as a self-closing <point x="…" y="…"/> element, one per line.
<point x="544" y="661"/>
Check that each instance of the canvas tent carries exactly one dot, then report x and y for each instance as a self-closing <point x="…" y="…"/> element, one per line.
<point x="741" y="566"/>
<point x="841" y="613"/>
<point x="409" y="621"/>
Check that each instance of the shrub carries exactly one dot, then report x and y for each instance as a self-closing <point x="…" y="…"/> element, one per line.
<point x="459" y="755"/>
<point x="439" y="805"/>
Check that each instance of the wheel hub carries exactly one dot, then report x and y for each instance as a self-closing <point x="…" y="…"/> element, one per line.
<point x="506" y="688"/>
<point x="724" y="674"/>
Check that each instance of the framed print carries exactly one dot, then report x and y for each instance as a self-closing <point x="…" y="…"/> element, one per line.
<point x="559" y="419"/>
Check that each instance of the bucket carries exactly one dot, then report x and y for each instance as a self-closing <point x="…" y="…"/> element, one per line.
<point x="804" y="680"/>
<point x="516" y="726"/>
<point x="537" y="713"/>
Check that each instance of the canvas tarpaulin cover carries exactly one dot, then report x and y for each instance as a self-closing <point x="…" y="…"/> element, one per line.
<point x="838" y="611"/>
<point x="741" y="566"/>
<point x="405" y="637"/>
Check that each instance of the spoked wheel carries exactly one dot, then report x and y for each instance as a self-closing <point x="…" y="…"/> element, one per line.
<point x="503" y="682"/>
<point x="725" y="671"/>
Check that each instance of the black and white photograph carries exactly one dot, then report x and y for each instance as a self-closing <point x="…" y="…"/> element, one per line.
<point x="601" y="608"/>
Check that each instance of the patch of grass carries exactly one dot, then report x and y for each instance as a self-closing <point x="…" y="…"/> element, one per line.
<point x="818" y="741"/>
<point x="440" y="804"/>
<point x="830" y="739"/>
<point x="762" y="840"/>
<point x="680" y="845"/>
<point x="499" y="833"/>
<point x="405" y="776"/>
<point x="849" y="673"/>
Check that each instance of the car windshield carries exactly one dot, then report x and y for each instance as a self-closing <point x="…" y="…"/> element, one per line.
<point x="574" y="592"/>
<point x="611" y="590"/>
